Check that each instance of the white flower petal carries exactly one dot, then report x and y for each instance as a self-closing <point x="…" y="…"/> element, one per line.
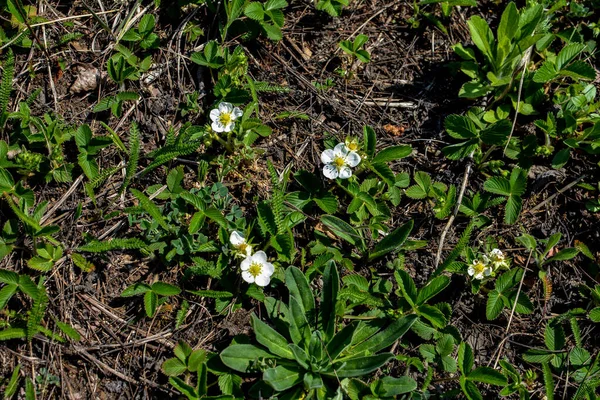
<point x="330" y="171"/>
<point x="247" y="276"/>
<point x="479" y="276"/>
<point x="352" y="159"/>
<point x="340" y="148"/>
<point x="471" y="271"/>
<point x="487" y="271"/>
<point x="259" y="257"/>
<point x="217" y="126"/>
<point x="262" y="280"/>
<point x="245" y="265"/>
<point x="225" y="107"/>
<point x="214" y="114"/>
<point x="237" y="112"/>
<point x="248" y="250"/>
<point x="267" y="269"/>
<point x="229" y="127"/>
<point x="327" y="156"/>
<point x="236" y="238"/>
<point x="345" y="172"/>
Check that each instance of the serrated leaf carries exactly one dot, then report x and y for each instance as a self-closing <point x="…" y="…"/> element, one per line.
<point x="392" y="153"/>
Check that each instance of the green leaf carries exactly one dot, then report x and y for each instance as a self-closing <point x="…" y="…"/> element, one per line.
<point x="217" y="216"/>
<point x="390" y="386"/>
<point x="254" y="10"/>
<point x="370" y="141"/>
<point x="271" y="339"/>
<point x="538" y="356"/>
<point x="487" y="375"/>
<point x="6" y="294"/>
<point x="282" y="378"/>
<point x="564" y="254"/>
<point x="460" y="127"/>
<point x="384" y="172"/>
<point x="514" y="204"/>
<point x="135" y="290"/>
<point x="13" y="383"/>
<point x="331" y="287"/>
<point x="482" y="36"/>
<point x="494" y="305"/>
<point x="432" y="289"/>
<point x="469" y="389"/>
<point x="164" y="289"/>
<point x="183" y="387"/>
<point x="13" y="333"/>
<point x="393" y="241"/>
<point x="386" y="337"/>
<point x="595" y="314"/>
<point x="407" y="286"/>
<point x="393" y="153"/>
<point x="561" y="158"/>
<point x="151" y="208"/>
<point x="342" y="229"/>
<point x="568" y="54"/>
<point x="545" y="73"/>
<point x="146" y="24"/>
<point x="297" y="285"/>
<point x="579" y="70"/>
<point x="465" y="358"/>
<point x="554" y="336"/>
<point x="497" y="185"/>
<point x="361" y="365"/>
<point x="433" y="315"/>
<point x="150" y="303"/>
<point x="240" y="357"/>
<point x="173" y="367"/>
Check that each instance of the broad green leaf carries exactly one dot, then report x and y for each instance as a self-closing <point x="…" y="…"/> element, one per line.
<point x="271" y="339"/>
<point x="331" y="287"/>
<point x="509" y="24"/>
<point x="432" y="289"/>
<point x="460" y="127"/>
<point x="595" y="314"/>
<point x="545" y="73"/>
<point x="6" y="294"/>
<point x="173" y="367"/>
<point x="508" y="279"/>
<point x="240" y="357"/>
<point x="300" y="356"/>
<point x="298" y="325"/>
<point x="433" y="315"/>
<point x="342" y="229"/>
<point x="150" y="303"/>
<point x="469" y="389"/>
<point x="359" y="366"/>
<point x="473" y="90"/>
<point x="370" y="141"/>
<point x="487" y="375"/>
<point x="514" y="204"/>
<point x="389" y="386"/>
<point x="282" y="378"/>
<point x="568" y="54"/>
<point x="538" y="356"/>
<point x="482" y="36"/>
<point x="554" y="336"/>
<point x="579" y="70"/>
<point x="386" y="337"/>
<point x="407" y="286"/>
<point x="392" y="153"/>
<point x="183" y="387"/>
<point x="135" y="290"/>
<point x="255" y="11"/>
<point x="465" y="358"/>
<point x="164" y="289"/>
<point x="296" y="282"/>
<point x="564" y="254"/>
<point x="494" y="305"/>
<point x="393" y="241"/>
<point x="497" y="185"/>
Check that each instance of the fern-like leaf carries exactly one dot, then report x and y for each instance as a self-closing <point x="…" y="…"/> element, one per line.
<point x="269" y="87"/>
<point x="114" y="244"/>
<point x="99" y="180"/>
<point x="151" y="208"/>
<point x="548" y="381"/>
<point x="169" y="153"/>
<point x="134" y="156"/>
<point x="213" y="294"/>
<point x="277" y="198"/>
<point x="6" y="85"/>
<point x="37" y="312"/>
<point x="460" y="246"/>
<point x="13" y="333"/>
<point x="82" y="263"/>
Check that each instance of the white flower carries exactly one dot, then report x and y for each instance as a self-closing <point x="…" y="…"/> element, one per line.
<point x="480" y="268"/>
<point x="223" y="117"/>
<point x="338" y="162"/>
<point x="239" y="243"/>
<point x="497" y="259"/>
<point x="256" y="269"/>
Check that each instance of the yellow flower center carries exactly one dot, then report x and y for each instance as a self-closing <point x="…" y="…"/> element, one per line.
<point x="255" y="269"/>
<point x="339" y="162"/>
<point x="479" y="268"/>
<point x="242" y="247"/>
<point x="352" y="146"/>
<point x="225" y="118"/>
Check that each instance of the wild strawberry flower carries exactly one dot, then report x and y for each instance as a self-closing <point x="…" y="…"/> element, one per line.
<point x="497" y="259"/>
<point x="339" y="162"/>
<point x="256" y="269"/>
<point x="238" y="241"/>
<point x="352" y="144"/>
<point x="223" y="117"/>
<point x="480" y="268"/>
